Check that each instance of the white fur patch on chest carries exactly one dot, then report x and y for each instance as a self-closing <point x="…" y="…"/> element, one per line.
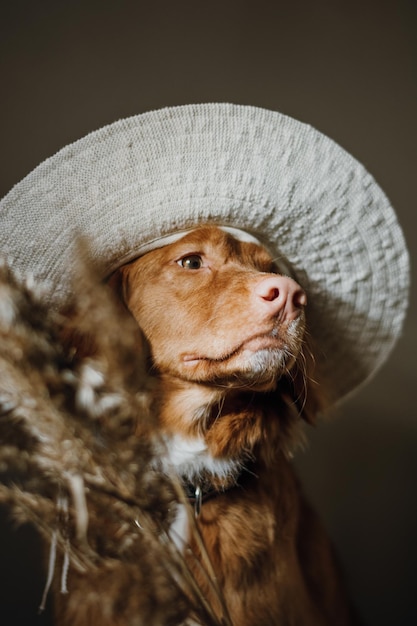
<point x="190" y="457"/>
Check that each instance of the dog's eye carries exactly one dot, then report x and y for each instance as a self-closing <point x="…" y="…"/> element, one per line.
<point x="191" y="262"/>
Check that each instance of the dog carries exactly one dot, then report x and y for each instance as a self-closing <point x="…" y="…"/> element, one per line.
<point x="228" y="338"/>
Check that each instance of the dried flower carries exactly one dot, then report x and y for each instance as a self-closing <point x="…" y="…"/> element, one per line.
<point x="80" y="443"/>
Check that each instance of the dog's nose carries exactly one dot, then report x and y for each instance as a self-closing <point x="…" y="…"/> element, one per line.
<point x="282" y="295"/>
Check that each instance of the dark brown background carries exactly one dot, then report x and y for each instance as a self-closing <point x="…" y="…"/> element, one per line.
<point x="347" y="68"/>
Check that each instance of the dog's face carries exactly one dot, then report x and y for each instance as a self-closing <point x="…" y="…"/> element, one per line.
<point x="215" y="311"/>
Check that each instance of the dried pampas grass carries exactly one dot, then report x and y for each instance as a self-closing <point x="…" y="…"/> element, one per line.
<point x="79" y="460"/>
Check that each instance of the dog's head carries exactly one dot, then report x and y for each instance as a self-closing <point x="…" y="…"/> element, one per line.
<point x="215" y="311"/>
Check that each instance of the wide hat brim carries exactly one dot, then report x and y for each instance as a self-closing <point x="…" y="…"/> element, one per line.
<point x="294" y="189"/>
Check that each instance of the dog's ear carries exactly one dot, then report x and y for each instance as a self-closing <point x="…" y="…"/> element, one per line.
<point x="115" y="283"/>
<point x="118" y="284"/>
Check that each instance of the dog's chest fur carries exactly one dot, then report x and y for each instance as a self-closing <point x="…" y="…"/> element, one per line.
<point x="191" y="459"/>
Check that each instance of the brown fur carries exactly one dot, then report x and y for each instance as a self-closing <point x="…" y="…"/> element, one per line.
<point x="270" y="554"/>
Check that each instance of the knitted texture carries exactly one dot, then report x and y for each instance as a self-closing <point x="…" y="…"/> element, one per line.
<point x="313" y="205"/>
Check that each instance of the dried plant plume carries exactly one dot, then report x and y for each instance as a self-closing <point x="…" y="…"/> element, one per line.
<point x="79" y="447"/>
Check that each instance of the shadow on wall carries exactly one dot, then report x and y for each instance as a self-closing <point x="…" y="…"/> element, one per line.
<point x="360" y="470"/>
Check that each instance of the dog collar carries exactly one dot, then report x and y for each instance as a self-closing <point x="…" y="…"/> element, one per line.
<point x="197" y="493"/>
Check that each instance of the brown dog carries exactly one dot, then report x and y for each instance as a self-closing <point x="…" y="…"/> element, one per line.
<point x="227" y="339"/>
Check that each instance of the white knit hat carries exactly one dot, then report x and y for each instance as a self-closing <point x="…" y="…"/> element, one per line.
<point x="128" y="184"/>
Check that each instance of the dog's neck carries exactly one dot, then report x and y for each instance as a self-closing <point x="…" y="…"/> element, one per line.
<point x="211" y="433"/>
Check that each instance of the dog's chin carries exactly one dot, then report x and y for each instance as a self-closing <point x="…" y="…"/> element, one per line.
<point x="258" y="370"/>
<point x="261" y="369"/>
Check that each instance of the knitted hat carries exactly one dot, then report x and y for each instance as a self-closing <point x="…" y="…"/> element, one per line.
<point x="129" y="184"/>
